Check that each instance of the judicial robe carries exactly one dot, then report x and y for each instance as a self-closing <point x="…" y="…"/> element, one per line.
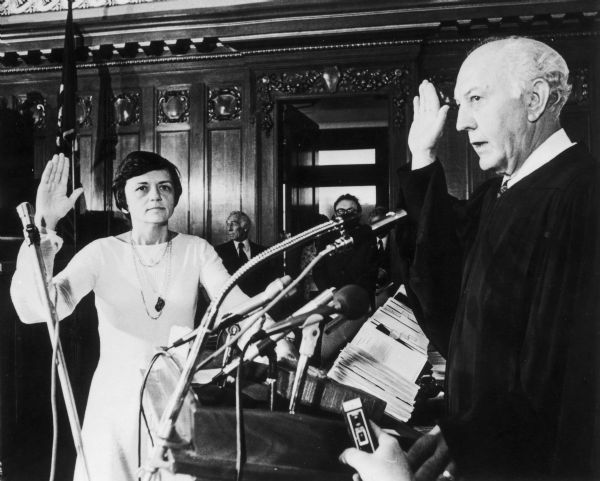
<point x="508" y="289"/>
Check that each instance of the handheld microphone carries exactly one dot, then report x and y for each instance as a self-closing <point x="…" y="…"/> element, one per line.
<point x="237" y="314"/>
<point x="352" y="301"/>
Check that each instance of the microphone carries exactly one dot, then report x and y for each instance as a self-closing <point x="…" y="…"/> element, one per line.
<point x="238" y="313"/>
<point x="388" y="221"/>
<point x="259" y="300"/>
<point x="26" y="214"/>
<point x="351" y="301"/>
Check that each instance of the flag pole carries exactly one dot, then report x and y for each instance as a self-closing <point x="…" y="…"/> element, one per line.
<point x="66" y="143"/>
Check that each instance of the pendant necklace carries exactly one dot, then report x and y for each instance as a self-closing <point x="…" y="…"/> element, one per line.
<point x="137" y="259"/>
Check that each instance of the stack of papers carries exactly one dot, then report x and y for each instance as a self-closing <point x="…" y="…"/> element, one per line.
<point x="385" y="358"/>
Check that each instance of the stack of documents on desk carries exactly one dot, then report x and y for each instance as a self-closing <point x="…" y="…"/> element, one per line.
<point x="385" y="358"/>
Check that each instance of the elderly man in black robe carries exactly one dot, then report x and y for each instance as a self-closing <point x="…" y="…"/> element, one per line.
<point x="506" y="283"/>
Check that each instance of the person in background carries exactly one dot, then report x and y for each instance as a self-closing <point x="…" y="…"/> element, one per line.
<point x="145" y="282"/>
<point x="385" y="286"/>
<point x="239" y="249"/>
<point x="506" y="283"/>
<point x="357" y="265"/>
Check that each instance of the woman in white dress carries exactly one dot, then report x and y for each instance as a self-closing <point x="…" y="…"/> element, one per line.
<point x="145" y="282"/>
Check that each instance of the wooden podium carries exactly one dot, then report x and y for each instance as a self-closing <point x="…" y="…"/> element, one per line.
<point x="279" y="446"/>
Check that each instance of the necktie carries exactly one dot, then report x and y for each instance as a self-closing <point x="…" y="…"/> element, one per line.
<point x="379" y="245"/>
<point x="503" y="188"/>
<point x="242" y="254"/>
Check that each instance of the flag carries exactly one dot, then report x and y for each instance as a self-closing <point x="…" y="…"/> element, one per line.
<point x="66" y="135"/>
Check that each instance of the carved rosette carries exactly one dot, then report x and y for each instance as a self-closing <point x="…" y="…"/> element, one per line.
<point x="224" y="104"/>
<point x="83" y="111"/>
<point x="332" y="80"/>
<point x="580" y="80"/>
<point x="127" y="108"/>
<point x="32" y="106"/>
<point x="173" y="106"/>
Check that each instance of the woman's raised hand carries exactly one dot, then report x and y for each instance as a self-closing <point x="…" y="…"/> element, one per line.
<point x="52" y="202"/>
<point x="427" y="126"/>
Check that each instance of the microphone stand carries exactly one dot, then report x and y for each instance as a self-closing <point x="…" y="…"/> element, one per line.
<point x="32" y="237"/>
<point x="166" y="426"/>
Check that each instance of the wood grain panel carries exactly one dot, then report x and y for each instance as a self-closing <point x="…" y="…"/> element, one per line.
<point x="175" y="146"/>
<point x="93" y="200"/>
<point x="127" y="143"/>
<point x="224" y="179"/>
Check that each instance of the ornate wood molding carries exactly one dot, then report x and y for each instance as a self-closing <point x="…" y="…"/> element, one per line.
<point x="83" y="111"/>
<point x="580" y="79"/>
<point x="173" y="106"/>
<point x="32" y="106"/>
<point x="331" y="80"/>
<point x="16" y="7"/>
<point x="127" y="109"/>
<point x="224" y="104"/>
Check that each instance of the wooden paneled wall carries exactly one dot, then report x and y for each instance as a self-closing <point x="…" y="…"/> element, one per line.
<point x="217" y="121"/>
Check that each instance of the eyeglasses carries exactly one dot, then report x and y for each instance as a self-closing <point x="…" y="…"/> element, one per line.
<point x="341" y="212"/>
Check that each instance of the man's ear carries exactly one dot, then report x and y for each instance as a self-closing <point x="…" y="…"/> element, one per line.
<point x="537" y="100"/>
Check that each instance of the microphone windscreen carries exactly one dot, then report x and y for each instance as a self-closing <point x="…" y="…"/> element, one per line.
<point x="353" y="301"/>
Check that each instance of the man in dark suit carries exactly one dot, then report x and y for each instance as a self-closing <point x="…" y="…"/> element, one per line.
<point x="239" y="250"/>
<point x="385" y="285"/>
<point x="355" y="266"/>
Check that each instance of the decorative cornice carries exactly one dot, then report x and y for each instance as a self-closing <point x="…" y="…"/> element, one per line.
<point x="145" y="56"/>
<point x="330" y="80"/>
<point x="8" y="7"/>
<point x="265" y="22"/>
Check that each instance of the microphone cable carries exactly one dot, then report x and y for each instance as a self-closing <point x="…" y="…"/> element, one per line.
<point x="240" y="431"/>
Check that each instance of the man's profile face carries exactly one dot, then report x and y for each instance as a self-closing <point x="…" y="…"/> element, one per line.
<point x="237" y="230"/>
<point x="494" y="117"/>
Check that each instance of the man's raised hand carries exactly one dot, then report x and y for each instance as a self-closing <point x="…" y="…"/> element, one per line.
<point x="427" y="126"/>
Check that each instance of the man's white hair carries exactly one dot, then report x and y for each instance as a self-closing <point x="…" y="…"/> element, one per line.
<point x="530" y="59"/>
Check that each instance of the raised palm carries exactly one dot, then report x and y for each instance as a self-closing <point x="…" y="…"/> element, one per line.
<point x="427" y="126"/>
<point x="52" y="202"/>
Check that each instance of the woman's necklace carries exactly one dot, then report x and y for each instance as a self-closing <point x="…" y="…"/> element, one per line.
<point x="137" y="259"/>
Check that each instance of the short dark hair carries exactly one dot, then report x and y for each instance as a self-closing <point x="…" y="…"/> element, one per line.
<point x="138" y="163"/>
<point x="347" y="197"/>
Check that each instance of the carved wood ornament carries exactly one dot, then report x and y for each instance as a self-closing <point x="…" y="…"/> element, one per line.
<point x="224" y="104"/>
<point x="127" y="108"/>
<point x="173" y="106"/>
<point x="331" y="80"/>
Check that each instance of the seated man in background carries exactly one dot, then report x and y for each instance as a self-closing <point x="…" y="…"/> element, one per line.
<point x="506" y="283"/>
<point x="357" y="265"/>
<point x="239" y="250"/>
